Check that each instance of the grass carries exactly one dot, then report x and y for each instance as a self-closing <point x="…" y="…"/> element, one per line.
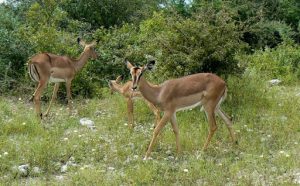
<point x="266" y="120"/>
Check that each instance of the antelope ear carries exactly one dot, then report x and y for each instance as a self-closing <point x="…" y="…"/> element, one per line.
<point x="81" y="42"/>
<point x="119" y="78"/>
<point x="150" y="65"/>
<point x="128" y="64"/>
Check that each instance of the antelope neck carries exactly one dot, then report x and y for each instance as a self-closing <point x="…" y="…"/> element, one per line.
<point x="150" y="92"/>
<point x="81" y="61"/>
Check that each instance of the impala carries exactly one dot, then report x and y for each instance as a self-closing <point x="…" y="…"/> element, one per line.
<point x="129" y="94"/>
<point x="47" y="67"/>
<point x="204" y="89"/>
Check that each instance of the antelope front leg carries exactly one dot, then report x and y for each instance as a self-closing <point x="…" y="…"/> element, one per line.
<point x="54" y="96"/>
<point x="156" y="112"/>
<point x="130" y="112"/>
<point x="69" y="96"/>
<point x="156" y="131"/>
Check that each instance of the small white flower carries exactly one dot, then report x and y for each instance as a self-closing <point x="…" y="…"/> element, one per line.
<point x="269" y="136"/>
<point x="5" y="153"/>
<point x="75" y="131"/>
<point x="287" y="155"/>
<point x="125" y="124"/>
<point x="66" y="139"/>
<point x="185" y="170"/>
<point x="79" y="135"/>
<point x="261" y="156"/>
<point x="111" y="168"/>
<point x="23" y="123"/>
<point x="281" y="152"/>
<point x="93" y="150"/>
<point x="20" y="99"/>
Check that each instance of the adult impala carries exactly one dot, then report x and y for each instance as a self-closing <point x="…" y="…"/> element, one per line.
<point x="204" y="89"/>
<point x="47" y="67"/>
<point x="126" y="91"/>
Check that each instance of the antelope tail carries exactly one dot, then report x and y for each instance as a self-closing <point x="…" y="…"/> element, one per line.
<point x="33" y="72"/>
<point x="223" y="97"/>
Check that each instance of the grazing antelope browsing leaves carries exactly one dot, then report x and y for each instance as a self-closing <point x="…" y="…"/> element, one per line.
<point x="129" y="94"/>
<point x="47" y="67"/>
<point x="204" y="89"/>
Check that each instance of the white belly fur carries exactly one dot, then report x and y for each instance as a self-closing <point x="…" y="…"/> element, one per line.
<point x="189" y="107"/>
<point x="56" y="80"/>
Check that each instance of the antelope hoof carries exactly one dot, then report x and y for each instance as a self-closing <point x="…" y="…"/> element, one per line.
<point x="147" y="158"/>
<point x="131" y="126"/>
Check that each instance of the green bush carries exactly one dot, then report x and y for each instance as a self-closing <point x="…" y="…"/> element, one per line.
<point x="270" y="34"/>
<point x="281" y="62"/>
<point x="13" y="51"/>
<point x="206" y="42"/>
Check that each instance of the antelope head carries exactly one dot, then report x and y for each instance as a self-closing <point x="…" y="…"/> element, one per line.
<point x="89" y="48"/>
<point x="137" y="72"/>
<point x="113" y="84"/>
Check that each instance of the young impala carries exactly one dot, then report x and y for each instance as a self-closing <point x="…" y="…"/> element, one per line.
<point x="204" y="89"/>
<point x="129" y="94"/>
<point x="47" y="67"/>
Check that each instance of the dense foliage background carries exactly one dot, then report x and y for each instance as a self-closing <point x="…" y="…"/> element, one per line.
<point x="223" y="37"/>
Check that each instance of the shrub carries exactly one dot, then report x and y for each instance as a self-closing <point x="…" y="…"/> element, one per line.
<point x="268" y="34"/>
<point x="206" y="42"/>
<point x="281" y="62"/>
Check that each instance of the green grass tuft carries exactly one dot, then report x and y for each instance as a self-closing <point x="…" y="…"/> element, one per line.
<point x="266" y="120"/>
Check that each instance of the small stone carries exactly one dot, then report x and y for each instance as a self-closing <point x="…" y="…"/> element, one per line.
<point x="273" y="82"/>
<point x="23" y="170"/>
<point x="36" y="170"/>
<point x="59" y="177"/>
<point x="64" y="168"/>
